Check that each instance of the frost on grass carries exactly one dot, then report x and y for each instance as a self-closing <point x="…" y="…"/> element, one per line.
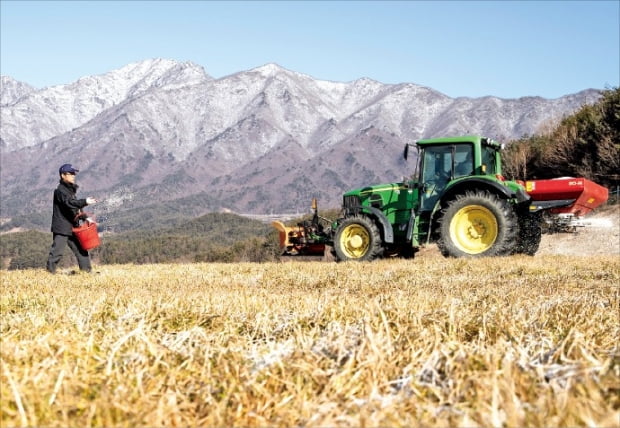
<point x="338" y="342"/>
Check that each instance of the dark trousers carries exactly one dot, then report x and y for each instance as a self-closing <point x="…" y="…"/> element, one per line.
<point x="58" y="248"/>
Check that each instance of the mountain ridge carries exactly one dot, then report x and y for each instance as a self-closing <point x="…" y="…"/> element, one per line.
<point x="254" y="141"/>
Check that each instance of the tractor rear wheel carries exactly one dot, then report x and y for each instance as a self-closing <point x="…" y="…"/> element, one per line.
<point x="357" y="238"/>
<point x="477" y="224"/>
<point x="530" y="233"/>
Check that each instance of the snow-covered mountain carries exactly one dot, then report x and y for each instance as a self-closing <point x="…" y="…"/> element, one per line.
<point x="11" y="90"/>
<point x="262" y="140"/>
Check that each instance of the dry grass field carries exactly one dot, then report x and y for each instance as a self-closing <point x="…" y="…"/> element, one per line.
<point x="515" y="341"/>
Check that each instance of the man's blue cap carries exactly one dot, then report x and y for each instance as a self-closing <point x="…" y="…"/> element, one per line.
<point x="67" y="168"/>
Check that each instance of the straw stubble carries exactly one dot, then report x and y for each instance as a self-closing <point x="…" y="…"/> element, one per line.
<point x="515" y="341"/>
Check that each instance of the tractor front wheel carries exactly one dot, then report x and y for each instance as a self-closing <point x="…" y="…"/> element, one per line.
<point x="357" y="238"/>
<point x="478" y="224"/>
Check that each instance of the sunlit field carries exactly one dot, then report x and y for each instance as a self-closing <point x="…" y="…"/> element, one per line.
<point x="515" y="341"/>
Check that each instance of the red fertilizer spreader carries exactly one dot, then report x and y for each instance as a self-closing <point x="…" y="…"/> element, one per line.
<point x="573" y="198"/>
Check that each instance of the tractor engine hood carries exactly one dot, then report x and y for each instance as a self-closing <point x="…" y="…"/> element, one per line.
<point x="378" y="188"/>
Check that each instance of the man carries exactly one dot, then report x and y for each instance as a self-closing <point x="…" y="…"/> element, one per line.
<point x="67" y="210"/>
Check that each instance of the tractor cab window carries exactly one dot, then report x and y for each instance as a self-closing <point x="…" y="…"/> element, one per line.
<point x="436" y="172"/>
<point x="463" y="160"/>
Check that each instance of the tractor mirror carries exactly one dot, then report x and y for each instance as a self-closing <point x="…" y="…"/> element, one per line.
<point x="406" y="152"/>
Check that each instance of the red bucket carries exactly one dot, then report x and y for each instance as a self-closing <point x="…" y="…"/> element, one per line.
<point x="87" y="235"/>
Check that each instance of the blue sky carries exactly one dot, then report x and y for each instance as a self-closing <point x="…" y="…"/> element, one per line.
<point x="461" y="48"/>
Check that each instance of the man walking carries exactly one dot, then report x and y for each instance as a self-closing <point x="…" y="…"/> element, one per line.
<point x="67" y="210"/>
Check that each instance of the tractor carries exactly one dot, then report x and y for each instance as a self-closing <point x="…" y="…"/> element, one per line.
<point x="456" y="198"/>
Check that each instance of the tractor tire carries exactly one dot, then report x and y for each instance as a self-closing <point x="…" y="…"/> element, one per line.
<point x="530" y="233"/>
<point x="358" y="238"/>
<point x="478" y="224"/>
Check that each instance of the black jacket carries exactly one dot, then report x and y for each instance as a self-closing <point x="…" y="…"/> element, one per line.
<point x="66" y="207"/>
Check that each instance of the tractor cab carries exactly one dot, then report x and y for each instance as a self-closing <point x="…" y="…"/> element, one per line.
<point x="444" y="162"/>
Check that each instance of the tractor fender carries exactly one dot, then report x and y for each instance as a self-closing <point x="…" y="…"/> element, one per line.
<point x="474" y="183"/>
<point x="384" y="223"/>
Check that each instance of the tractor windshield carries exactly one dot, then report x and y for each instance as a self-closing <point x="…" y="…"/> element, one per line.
<point x="440" y="165"/>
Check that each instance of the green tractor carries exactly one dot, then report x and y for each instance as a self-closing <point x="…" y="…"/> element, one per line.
<point x="457" y="198"/>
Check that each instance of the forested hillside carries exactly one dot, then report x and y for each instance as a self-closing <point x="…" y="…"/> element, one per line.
<point x="585" y="144"/>
<point x="212" y="237"/>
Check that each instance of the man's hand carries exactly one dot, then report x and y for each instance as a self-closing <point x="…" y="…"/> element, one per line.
<point x="91" y="201"/>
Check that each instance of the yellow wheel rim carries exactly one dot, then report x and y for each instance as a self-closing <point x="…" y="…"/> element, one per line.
<point x="474" y="229"/>
<point x="354" y="241"/>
